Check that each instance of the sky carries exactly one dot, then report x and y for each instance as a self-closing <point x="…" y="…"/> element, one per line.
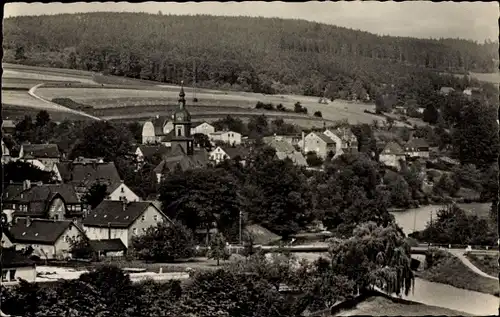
<point x="468" y="20"/>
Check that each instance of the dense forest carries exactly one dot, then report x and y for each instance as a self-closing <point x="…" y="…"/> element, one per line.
<point x="242" y="53"/>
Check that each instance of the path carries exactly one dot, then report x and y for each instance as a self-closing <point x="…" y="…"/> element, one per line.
<point x="460" y="254"/>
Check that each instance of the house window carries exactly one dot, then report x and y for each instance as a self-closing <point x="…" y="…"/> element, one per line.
<point x="123" y="190"/>
<point x="143" y="218"/>
<point x="179" y="131"/>
<point x="155" y="217"/>
<point x="134" y="231"/>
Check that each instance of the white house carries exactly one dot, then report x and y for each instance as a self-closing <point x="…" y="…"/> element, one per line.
<point x="49" y="239"/>
<point x="417" y="147"/>
<point x="392" y="155"/>
<point x="43" y="156"/>
<point x="220" y="154"/>
<point x="203" y="128"/>
<point x="319" y="143"/>
<point x="228" y="137"/>
<point x="122" y="192"/>
<point x="345" y="140"/>
<point x="121" y="220"/>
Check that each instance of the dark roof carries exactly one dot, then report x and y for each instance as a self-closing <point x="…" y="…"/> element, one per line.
<point x="416" y="143"/>
<point x="393" y="148"/>
<point x="11" y="259"/>
<point x="150" y="150"/>
<point x="167" y="137"/>
<point x="177" y="157"/>
<point x="233" y="152"/>
<point x="325" y="138"/>
<point x="87" y="174"/>
<point x="110" y="213"/>
<point x="158" y="124"/>
<point x="11" y="190"/>
<point x="46" y="192"/>
<point x="40" y="231"/>
<point x="261" y="235"/>
<point x="107" y="245"/>
<point x="280" y="146"/>
<point x="41" y="150"/>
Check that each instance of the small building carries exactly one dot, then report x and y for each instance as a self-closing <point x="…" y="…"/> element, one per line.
<point x="5" y="153"/>
<point x="446" y="90"/>
<point x="122" y="220"/>
<point x="345" y="140"/>
<point x="221" y="153"/>
<point x="16" y="266"/>
<point x="47" y="154"/>
<point x="392" y="155"/>
<point x="177" y="158"/>
<point x="46" y="239"/>
<point x="319" y="143"/>
<point x="203" y="128"/>
<point x="293" y="139"/>
<point x="227" y="137"/>
<point x="47" y="201"/>
<point x="107" y="248"/>
<point x="472" y="92"/>
<point x="8" y="126"/>
<point x="417" y="148"/>
<point x="285" y="150"/>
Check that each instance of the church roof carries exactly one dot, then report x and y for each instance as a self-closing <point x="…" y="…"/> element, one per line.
<point x="177" y="157"/>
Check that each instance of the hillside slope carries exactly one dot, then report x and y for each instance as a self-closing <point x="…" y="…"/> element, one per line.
<point x="240" y="53"/>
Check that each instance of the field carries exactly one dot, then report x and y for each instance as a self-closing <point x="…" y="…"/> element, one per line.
<point x="381" y="306"/>
<point x="121" y="98"/>
<point x="450" y="270"/>
<point x="486" y="263"/>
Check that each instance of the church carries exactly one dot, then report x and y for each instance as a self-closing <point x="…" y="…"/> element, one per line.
<point x="182" y="153"/>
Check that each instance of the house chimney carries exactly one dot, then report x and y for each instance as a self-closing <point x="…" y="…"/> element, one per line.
<point x="124" y="203"/>
<point x="28" y="221"/>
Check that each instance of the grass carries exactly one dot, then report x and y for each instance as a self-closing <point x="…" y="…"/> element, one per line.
<point x="486" y="263"/>
<point x="451" y="271"/>
<point x="381" y="306"/>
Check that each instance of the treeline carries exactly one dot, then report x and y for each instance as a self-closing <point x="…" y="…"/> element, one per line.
<point x="242" y="53"/>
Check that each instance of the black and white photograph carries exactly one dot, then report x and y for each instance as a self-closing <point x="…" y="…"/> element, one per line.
<point x="250" y="159"/>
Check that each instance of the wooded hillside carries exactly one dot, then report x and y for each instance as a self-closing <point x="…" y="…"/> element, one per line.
<point x="251" y="54"/>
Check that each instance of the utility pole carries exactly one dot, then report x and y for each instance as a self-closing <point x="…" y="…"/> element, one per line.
<point x="240" y="229"/>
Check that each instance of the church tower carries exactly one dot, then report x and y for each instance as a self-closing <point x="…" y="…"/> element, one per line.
<point x="182" y="125"/>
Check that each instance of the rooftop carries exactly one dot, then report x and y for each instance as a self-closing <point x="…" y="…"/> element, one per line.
<point x="110" y="213"/>
<point x="40" y="151"/>
<point x="37" y="231"/>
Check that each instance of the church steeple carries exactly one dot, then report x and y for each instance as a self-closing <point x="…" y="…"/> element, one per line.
<point x="182" y="100"/>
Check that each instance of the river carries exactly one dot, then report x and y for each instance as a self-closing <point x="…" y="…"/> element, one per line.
<point x="416" y="219"/>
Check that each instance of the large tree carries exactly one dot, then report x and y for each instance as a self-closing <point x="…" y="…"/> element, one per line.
<point x="18" y="171"/>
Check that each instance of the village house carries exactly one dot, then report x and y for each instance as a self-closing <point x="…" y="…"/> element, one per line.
<point x="222" y="153"/>
<point x="392" y="155"/>
<point x="203" y="128"/>
<point x="5" y="153"/>
<point x="48" y="239"/>
<point x="472" y="92"/>
<point x="319" y="143"/>
<point x="227" y="137"/>
<point x="157" y="130"/>
<point x="344" y="138"/>
<point x="48" y="201"/>
<point x="285" y="150"/>
<point x="83" y="173"/>
<point x="107" y="248"/>
<point x="16" y="266"/>
<point x="417" y="148"/>
<point x="8" y="126"/>
<point x="46" y="154"/>
<point x="121" y="220"/>
<point x="182" y="154"/>
<point x="293" y="139"/>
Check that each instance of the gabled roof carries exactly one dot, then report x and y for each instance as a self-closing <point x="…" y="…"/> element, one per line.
<point x="261" y="235"/>
<point x="40" y="151"/>
<point x="280" y="146"/>
<point x="11" y="259"/>
<point x="46" y="192"/>
<point x="40" y="231"/>
<point x="344" y="133"/>
<point x="111" y="245"/>
<point x="296" y="157"/>
<point x="233" y="152"/>
<point x="195" y="125"/>
<point x="11" y="190"/>
<point x="446" y="90"/>
<point x="416" y="143"/>
<point x="110" y="213"/>
<point x="325" y="138"/>
<point x="393" y="148"/>
<point x="177" y="157"/>
<point x="158" y="124"/>
<point x="150" y="150"/>
<point x="88" y="174"/>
